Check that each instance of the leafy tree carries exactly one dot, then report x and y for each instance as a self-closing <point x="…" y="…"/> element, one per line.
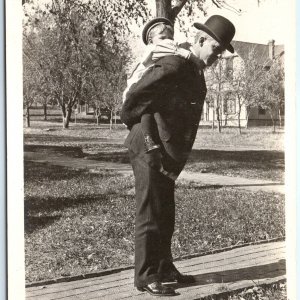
<point x="32" y="82"/>
<point x="109" y="83"/>
<point x="246" y="84"/>
<point x="217" y="87"/>
<point x="272" y="91"/>
<point x="67" y="37"/>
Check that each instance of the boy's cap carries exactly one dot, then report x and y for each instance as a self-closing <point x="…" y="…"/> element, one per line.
<point x="220" y="29"/>
<point x="151" y="24"/>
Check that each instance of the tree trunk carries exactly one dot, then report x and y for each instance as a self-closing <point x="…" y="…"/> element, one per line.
<point x="164" y="9"/>
<point x="218" y="119"/>
<point x="27" y="116"/>
<point x="247" y="117"/>
<point x="66" y="117"/>
<point x="115" y="117"/>
<point x="274" y="124"/>
<point x="239" y="115"/>
<point x="280" y="118"/>
<point x="213" y="121"/>
<point x="239" y="122"/>
<point x="45" y="111"/>
<point x="110" y="120"/>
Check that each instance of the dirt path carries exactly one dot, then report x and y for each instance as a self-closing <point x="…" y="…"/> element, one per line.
<point x="201" y="178"/>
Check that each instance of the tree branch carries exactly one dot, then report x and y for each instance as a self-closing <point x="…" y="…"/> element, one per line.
<point x="216" y="3"/>
<point x="178" y="7"/>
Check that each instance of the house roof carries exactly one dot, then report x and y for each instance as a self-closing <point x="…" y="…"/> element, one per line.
<point x="261" y="51"/>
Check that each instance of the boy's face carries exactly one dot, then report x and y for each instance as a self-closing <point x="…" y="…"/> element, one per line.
<point x="159" y="33"/>
<point x="159" y="37"/>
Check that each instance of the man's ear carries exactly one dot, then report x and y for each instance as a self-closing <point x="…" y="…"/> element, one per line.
<point x="201" y="41"/>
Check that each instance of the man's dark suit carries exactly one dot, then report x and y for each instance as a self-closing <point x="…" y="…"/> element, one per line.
<point x="174" y="90"/>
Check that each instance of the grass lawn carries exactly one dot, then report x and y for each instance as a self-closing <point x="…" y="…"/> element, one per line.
<point x="258" y="138"/>
<point x="78" y="222"/>
<point x="257" y="153"/>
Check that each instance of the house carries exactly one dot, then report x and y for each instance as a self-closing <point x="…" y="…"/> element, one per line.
<point x="224" y="105"/>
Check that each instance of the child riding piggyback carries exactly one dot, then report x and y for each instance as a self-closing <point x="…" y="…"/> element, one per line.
<point x="158" y="35"/>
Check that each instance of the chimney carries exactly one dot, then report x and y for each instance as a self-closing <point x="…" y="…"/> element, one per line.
<point x="271" y="49"/>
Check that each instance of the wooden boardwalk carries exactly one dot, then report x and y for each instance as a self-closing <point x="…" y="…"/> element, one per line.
<point x="215" y="274"/>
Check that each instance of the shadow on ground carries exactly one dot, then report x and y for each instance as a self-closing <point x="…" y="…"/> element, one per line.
<point x="49" y="138"/>
<point x="204" y="155"/>
<point x="40" y="212"/>
<point x="250" y="273"/>
<point x="44" y="171"/>
<point x="41" y="205"/>
<point x="47" y="149"/>
<point x="262" y="164"/>
<point x="33" y="223"/>
<point x="246" y="156"/>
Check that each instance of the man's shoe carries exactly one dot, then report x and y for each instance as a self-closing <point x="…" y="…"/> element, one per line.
<point x="175" y="276"/>
<point x="157" y="289"/>
<point x="150" y="144"/>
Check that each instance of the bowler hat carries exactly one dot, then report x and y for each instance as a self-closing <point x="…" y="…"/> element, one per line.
<point x="154" y="22"/>
<point x="220" y="29"/>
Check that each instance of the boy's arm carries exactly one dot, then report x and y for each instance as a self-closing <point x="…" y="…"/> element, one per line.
<point x="169" y="47"/>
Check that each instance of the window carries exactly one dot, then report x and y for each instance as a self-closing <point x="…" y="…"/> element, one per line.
<point x="229" y="105"/>
<point x="229" y="68"/>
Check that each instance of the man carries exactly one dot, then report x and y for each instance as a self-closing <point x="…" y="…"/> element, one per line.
<point x="174" y="90"/>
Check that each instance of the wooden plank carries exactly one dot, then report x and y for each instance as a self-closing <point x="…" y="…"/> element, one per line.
<point x="114" y="283"/>
<point x="117" y="291"/>
<point x="227" y="264"/>
<point x="233" y="268"/>
<point x="223" y="261"/>
<point x="279" y="247"/>
<point x="128" y="292"/>
<point x="114" y="276"/>
<point x="105" y="282"/>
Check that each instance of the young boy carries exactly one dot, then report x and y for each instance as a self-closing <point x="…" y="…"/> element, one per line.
<point x="158" y="35"/>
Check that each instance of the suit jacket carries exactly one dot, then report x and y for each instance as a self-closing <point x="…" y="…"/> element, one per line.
<point x="174" y="90"/>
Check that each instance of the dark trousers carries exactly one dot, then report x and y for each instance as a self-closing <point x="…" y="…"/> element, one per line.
<point x="154" y="225"/>
<point x="148" y="125"/>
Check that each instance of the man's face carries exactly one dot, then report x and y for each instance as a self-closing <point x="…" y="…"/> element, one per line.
<point x="209" y="51"/>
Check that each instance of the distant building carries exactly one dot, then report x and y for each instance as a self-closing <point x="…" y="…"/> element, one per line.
<point x="228" y="108"/>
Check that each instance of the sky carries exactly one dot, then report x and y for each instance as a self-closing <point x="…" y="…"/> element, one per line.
<point x="255" y="23"/>
<point x="258" y="23"/>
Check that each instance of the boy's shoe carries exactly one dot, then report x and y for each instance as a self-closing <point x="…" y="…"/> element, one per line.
<point x="150" y="144"/>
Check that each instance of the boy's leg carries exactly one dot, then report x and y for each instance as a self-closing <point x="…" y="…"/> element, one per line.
<point x="148" y="129"/>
